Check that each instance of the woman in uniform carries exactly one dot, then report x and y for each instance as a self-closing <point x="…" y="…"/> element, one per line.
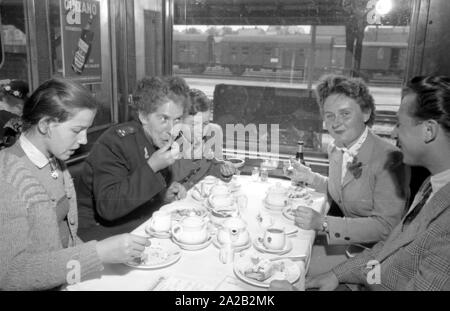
<point x="126" y="176"/>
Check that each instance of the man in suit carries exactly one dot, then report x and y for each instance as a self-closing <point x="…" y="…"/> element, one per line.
<point x="416" y="255"/>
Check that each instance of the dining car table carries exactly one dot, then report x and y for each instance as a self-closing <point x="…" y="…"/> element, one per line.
<point x="203" y="269"/>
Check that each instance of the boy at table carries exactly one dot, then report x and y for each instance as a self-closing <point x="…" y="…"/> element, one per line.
<point x="198" y="135"/>
<point x="416" y="255"/>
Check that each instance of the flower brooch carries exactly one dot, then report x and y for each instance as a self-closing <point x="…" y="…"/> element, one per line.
<point x="355" y="168"/>
<point x="8" y="89"/>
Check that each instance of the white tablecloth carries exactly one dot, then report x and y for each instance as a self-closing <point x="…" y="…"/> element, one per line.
<point x="203" y="270"/>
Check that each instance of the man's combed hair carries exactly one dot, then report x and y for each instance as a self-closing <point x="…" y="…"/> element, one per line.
<point x="354" y="88"/>
<point x="432" y="99"/>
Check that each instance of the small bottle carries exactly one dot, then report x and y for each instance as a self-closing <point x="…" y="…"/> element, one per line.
<point x="255" y="174"/>
<point x="264" y="175"/>
<point x="83" y="48"/>
<point x="299" y="156"/>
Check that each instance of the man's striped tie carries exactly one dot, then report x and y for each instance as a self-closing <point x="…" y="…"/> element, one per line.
<point x="416" y="209"/>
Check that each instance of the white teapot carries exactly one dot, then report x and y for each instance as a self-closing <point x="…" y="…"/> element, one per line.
<point x="234" y="232"/>
<point x="222" y="201"/>
<point x="277" y="196"/>
<point x="191" y="230"/>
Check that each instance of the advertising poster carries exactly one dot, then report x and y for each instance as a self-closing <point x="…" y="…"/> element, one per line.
<point x="81" y="46"/>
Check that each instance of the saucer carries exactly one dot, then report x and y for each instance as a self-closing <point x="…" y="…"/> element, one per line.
<point x="193" y="247"/>
<point x="157" y="234"/>
<point x="273" y="207"/>
<point x="179" y="209"/>
<point x="160" y="254"/>
<point x="284" y="269"/>
<point x="239" y="248"/>
<point x="236" y="162"/>
<point x="258" y="244"/>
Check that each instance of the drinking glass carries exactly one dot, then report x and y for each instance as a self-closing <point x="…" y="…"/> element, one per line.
<point x="288" y="169"/>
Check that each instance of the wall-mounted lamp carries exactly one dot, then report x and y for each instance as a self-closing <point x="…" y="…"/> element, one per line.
<point x="383" y="7"/>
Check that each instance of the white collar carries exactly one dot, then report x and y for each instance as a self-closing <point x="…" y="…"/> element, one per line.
<point x="33" y="153"/>
<point x="353" y="150"/>
<point x="440" y="180"/>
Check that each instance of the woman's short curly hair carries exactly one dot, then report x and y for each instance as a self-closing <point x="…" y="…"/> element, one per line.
<point x="153" y="92"/>
<point x="199" y="102"/>
<point x="432" y="99"/>
<point x="354" y="88"/>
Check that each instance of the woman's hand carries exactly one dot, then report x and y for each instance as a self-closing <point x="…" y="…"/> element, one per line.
<point x="308" y="219"/>
<point x="164" y="156"/>
<point x="301" y="173"/>
<point x="121" y="248"/>
<point x="324" y="282"/>
<point x="176" y="191"/>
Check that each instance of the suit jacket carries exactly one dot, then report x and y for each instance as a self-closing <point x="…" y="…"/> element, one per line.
<point x="372" y="203"/>
<point x="416" y="256"/>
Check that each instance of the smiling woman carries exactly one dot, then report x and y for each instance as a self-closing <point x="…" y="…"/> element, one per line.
<point x="366" y="179"/>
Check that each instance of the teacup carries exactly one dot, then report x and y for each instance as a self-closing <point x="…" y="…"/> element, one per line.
<point x="221" y="201"/>
<point x="276" y="199"/>
<point x="277" y="189"/>
<point x="295" y="203"/>
<point x="274" y="238"/>
<point x="191" y="230"/>
<point x="161" y="221"/>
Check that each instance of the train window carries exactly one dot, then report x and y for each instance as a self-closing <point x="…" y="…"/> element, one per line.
<point x="14" y="40"/>
<point x="149" y="39"/>
<point x="92" y="23"/>
<point x="291" y="44"/>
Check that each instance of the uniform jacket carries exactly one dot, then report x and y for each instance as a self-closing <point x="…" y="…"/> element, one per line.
<point x="31" y="253"/>
<point x="189" y="171"/>
<point x="116" y="179"/>
<point x="416" y="255"/>
<point x="373" y="197"/>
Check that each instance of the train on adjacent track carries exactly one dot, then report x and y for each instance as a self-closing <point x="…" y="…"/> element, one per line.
<point x="239" y="53"/>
